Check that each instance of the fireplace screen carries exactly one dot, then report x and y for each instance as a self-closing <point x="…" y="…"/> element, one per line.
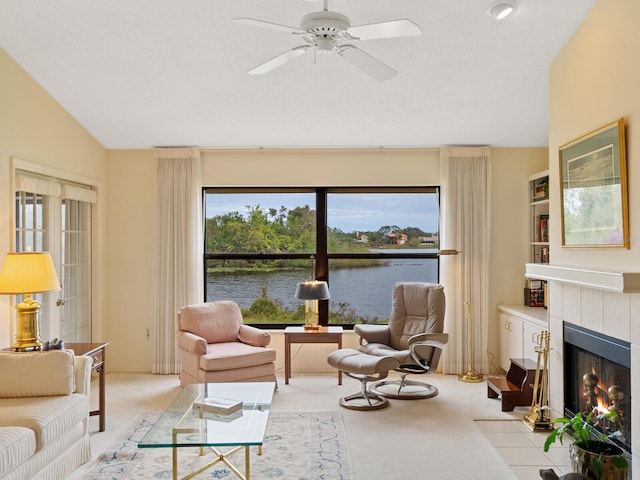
<point x="597" y="378"/>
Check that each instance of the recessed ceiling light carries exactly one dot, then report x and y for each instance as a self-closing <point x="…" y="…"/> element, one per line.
<point x="501" y="9"/>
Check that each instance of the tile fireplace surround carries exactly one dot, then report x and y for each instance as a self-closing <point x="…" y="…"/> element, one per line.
<point x="605" y="301"/>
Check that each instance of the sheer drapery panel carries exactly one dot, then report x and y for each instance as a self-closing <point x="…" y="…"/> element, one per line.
<point x="466" y="227"/>
<point x="177" y="250"/>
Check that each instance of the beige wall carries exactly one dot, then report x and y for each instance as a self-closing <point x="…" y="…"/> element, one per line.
<point x="375" y="167"/>
<point x="36" y="129"/>
<point x="510" y="169"/>
<point x="131" y="176"/>
<point x="593" y="82"/>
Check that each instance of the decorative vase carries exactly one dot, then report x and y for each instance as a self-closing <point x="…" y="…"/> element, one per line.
<point x="585" y="461"/>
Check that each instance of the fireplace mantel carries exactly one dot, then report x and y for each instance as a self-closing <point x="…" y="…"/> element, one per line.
<point x="610" y="280"/>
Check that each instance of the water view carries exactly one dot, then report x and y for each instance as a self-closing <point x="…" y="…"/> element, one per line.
<point x="242" y="225"/>
<point x="367" y="290"/>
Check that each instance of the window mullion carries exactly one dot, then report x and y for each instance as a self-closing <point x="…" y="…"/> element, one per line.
<point x="322" y="261"/>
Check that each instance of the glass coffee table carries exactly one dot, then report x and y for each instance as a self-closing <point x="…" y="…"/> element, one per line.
<point x="180" y="425"/>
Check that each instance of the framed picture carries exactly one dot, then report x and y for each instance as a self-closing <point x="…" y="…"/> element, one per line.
<point x="593" y="183"/>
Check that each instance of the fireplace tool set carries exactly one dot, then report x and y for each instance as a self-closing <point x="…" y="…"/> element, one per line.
<point x="538" y="416"/>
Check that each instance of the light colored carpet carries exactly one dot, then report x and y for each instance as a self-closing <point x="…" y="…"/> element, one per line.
<point x="435" y="438"/>
<point x="298" y="445"/>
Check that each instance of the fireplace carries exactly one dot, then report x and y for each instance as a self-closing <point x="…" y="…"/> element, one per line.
<point x="597" y="376"/>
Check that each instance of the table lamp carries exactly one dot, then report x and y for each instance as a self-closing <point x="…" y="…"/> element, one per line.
<point x="25" y="273"/>
<point x="311" y="291"/>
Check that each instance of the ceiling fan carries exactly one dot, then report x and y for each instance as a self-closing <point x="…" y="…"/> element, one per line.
<point x="328" y="32"/>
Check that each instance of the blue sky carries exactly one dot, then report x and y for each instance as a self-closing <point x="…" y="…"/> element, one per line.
<point x="348" y="212"/>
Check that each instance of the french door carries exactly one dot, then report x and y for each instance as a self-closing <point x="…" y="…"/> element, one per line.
<point x="55" y="216"/>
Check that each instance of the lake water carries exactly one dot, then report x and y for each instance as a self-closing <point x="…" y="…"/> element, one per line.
<point x="367" y="290"/>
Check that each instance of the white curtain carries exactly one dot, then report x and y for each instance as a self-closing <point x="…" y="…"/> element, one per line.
<point x="177" y="251"/>
<point x="466" y="227"/>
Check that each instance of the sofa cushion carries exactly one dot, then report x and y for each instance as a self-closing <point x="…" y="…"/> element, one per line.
<point x="17" y="444"/>
<point x="215" y="322"/>
<point x="48" y="417"/>
<point x="48" y="373"/>
<point x="225" y="356"/>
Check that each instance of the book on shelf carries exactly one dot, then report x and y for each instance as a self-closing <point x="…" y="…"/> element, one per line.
<point x="544" y="255"/>
<point x="543" y="224"/>
<point x="541" y="189"/>
<point x="217" y="405"/>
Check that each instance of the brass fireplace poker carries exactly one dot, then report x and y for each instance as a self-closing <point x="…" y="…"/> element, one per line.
<point x="538" y="416"/>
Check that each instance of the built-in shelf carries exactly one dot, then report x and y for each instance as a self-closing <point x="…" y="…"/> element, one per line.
<point x="611" y="280"/>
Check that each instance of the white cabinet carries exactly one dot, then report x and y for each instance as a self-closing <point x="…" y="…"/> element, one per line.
<point x="519" y="327"/>
<point x="510" y="338"/>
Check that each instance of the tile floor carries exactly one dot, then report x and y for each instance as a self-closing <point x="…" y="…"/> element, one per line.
<point x="522" y="449"/>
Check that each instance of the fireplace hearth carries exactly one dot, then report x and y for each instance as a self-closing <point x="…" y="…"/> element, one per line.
<point x="597" y="377"/>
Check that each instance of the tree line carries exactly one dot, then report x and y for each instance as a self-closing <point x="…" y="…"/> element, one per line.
<point x="283" y="230"/>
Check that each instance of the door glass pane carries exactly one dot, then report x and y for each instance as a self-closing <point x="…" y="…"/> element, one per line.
<point x="32" y="236"/>
<point x="75" y="317"/>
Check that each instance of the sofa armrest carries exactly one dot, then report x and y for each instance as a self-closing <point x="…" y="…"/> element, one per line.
<point x="372" y="333"/>
<point x="191" y="343"/>
<point x="254" y="336"/>
<point x="83" y="374"/>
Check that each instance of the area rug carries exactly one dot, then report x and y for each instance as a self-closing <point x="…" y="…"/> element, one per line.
<point x="297" y="446"/>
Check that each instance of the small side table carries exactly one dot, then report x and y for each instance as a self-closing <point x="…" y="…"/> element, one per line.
<point x="97" y="352"/>
<point x="300" y="335"/>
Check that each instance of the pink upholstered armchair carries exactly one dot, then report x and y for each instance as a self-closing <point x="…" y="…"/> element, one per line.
<point x="215" y="346"/>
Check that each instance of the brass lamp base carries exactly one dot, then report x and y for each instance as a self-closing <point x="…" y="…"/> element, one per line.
<point x="27" y="326"/>
<point x="312" y="327"/>
<point x="471" y="377"/>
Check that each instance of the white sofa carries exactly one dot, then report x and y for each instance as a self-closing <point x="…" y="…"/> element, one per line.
<point x="44" y="413"/>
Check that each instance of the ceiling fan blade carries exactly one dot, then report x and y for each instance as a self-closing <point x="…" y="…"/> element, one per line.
<point x="367" y="63"/>
<point x="271" y="26"/>
<point x="280" y="60"/>
<point x="392" y="29"/>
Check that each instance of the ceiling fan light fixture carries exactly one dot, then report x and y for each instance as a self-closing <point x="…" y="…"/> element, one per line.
<point x="501" y="9"/>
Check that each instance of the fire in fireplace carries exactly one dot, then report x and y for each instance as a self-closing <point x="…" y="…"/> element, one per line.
<point x="597" y="376"/>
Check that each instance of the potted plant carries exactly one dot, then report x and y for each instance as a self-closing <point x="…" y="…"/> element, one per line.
<point x="592" y="455"/>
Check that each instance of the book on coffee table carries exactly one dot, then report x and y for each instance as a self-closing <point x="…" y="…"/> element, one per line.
<point x="217" y="417"/>
<point x="217" y="405"/>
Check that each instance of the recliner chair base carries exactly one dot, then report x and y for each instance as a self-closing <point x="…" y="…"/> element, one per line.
<point x="394" y="389"/>
<point x="368" y="399"/>
<point x="364" y="368"/>
<point x="404" y="389"/>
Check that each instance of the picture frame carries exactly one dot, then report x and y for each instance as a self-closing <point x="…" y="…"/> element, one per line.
<point x="593" y="189"/>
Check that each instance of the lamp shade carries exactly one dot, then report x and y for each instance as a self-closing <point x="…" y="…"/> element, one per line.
<point x="312" y="290"/>
<point x="28" y="272"/>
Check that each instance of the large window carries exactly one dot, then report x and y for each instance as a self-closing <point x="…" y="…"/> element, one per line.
<point x="259" y="243"/>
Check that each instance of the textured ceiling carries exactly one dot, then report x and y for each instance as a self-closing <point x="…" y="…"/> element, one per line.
<point x="142" y="73"/>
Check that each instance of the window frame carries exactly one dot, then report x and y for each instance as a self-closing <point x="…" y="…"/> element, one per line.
<point x="321" y="255"/>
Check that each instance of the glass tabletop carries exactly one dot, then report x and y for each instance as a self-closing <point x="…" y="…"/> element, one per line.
<point x="180" y="425"/>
